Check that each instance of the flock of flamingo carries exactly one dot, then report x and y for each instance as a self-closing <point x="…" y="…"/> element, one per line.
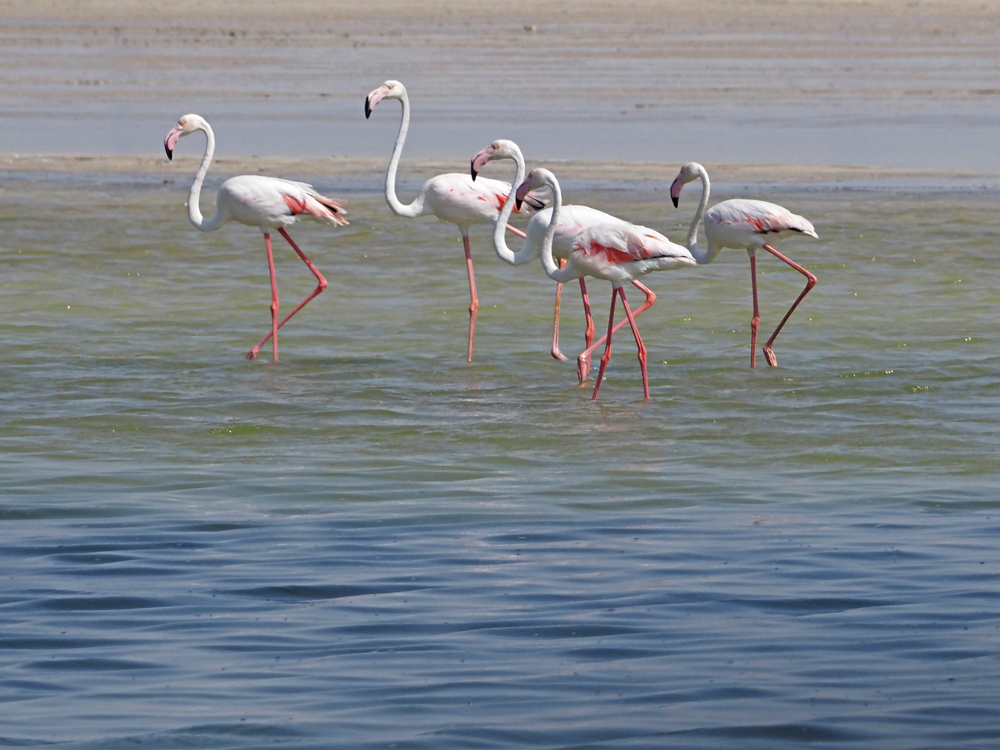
<point x="586" y="242"/>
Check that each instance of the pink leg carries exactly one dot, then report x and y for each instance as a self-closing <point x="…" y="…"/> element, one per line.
<point x="274" y="304"/>
<point x="810" y="283"/>
<point x="583" y="361"/>
<point x="516" y="231"/>
<point x="319" y="288"/>
<point x="556" y="353"/>
<point x="755" y="320"/>
<point x="638" y="342"/>
<point x="474" y="304"/>
<point x="606" y="357"/>
<point x="588" y="334"/>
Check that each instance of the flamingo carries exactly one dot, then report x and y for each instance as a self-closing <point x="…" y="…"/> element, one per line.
<point x="619" y="252"/>
<point x="571" y="221"/>
<point x="748" y="224"/>
<point x="257" y="201"/>
<point x="452" y="197"/>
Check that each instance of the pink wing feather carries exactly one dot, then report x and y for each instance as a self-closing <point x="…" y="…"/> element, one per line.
<point x="303" y="199"/>
<point x="259" y="200"/>
<point x="627" y="243"/>
<point x="759" y="217"/>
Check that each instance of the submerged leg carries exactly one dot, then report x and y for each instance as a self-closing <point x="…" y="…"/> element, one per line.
<point x="810" y="283"/>
<point x="583" y="361"/>
<point x="638" y="342"/>
<point x="588" y="334"/>
<point x="474" y="298"/>
<point x="556" y="352"/>
<point x="319" y="288"/>
<point x="755" y="320"/>
<point x="606" y="357"/>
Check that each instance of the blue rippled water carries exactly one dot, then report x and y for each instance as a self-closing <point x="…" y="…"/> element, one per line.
<point x="372" y="544"/>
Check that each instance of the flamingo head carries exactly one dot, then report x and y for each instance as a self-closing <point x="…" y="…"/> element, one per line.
<point x="689" y="172"/>
<point x="185" y="126"/>
<point x="537" y="178"/>
<point x="501" y="149"/>
<point x="388" y="90"/>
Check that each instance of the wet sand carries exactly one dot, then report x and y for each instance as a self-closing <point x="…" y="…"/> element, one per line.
<point x="183" y="168"/>
<point x="912" y="85"/>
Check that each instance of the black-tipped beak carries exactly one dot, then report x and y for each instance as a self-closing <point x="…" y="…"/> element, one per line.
<point x="522" y="192"/>
<point x="675" y="188"/>
<point x="373" y="98"/>
<point x="479" y="161"/>
<point x="171" y="140"/>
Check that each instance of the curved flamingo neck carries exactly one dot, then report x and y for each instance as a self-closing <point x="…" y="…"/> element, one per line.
<point x="548" y="262"/>
<point x="527" y="253"/>
<point x="194" y="197"/>
<point x="708" y="254"/>
<point x="417" y="206"/>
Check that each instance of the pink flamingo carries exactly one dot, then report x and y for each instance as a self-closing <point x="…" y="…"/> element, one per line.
<point x="571" y="221"/>
<point x="257" y="201"/>
<point x="619" y="252"/>
<point x="452" y="197"/>
<point x="748" y="224"/>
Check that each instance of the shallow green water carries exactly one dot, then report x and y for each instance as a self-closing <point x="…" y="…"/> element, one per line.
<point x="374" y="542"/>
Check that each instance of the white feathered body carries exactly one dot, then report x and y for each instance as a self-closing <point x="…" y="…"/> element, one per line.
<point x="751" y="224"/>
<point x="571" y="221"/>
<point x="270" y="202"/>
<point x="621" y="252"/>
<point x="458" y="199"/>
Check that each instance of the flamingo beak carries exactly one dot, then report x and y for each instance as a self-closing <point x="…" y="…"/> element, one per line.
<point x="374" y="98"/>
<point x="675" y="190"/>
<point x="171" y="140"/>
<point x="522" y="191"/>
<point x="479" y="160"/>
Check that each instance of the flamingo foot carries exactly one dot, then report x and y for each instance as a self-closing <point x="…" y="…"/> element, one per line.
<point x="583" y="367"/>
<point x="769" y="356"/>
<point x="557" y="354"/>
<point x="252" y="354"/>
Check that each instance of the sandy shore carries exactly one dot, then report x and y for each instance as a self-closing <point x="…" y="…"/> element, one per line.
<point x="183" y="168"/>
<point x="899" y="83"/>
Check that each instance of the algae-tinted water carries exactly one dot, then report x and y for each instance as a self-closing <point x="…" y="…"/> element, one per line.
<point x="374" y="544"/>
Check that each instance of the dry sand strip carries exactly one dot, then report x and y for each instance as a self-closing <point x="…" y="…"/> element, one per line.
<point x="937" y="16"/>
<point x="185" y="167"/>
<point x="631" y="63"/>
